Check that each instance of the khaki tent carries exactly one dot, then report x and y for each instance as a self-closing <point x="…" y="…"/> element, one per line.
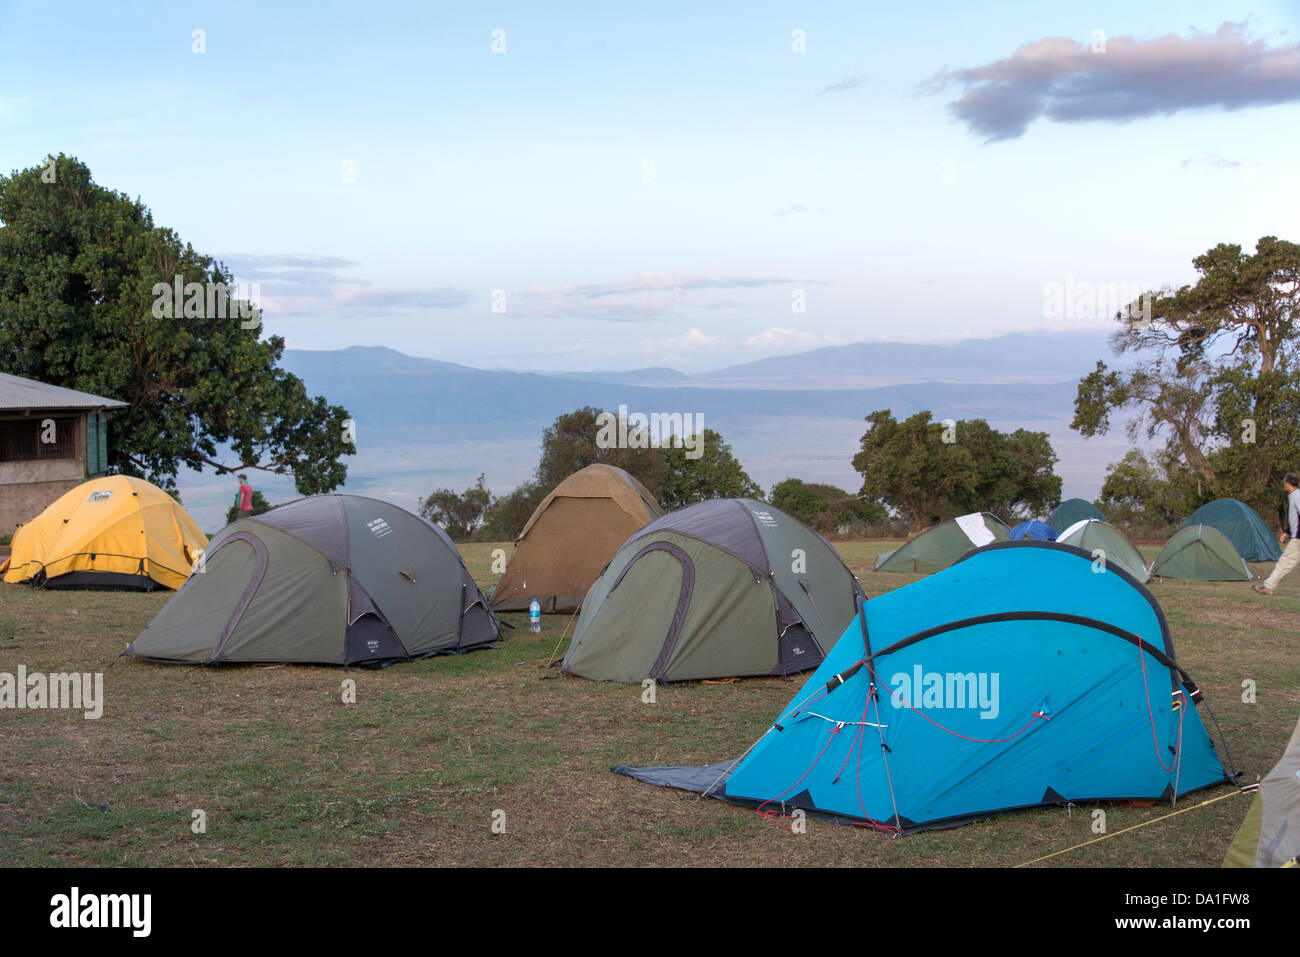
<point x="110" y="532"/>
<point x="1270" y="835"/>
<point x="330" y="579"/>
<point x="722" y="588"/>
<point x="571" y="536"/>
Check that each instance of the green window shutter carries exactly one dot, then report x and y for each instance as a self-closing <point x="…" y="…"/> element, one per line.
<point x="96" y="444"/>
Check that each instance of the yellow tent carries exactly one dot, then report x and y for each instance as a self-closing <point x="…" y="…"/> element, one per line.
<point x="115" y="531"/>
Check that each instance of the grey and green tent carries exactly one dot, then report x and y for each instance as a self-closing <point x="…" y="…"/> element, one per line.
<point x="1105" y="541"/>
<point x="330" y="579"/>
<point x="1071" y="511"/>
<point x="722" y="588"/>
<point x="938" y="547"/>
<point x="1203" y="553"/>
<point x="1241" y="525"/>
<point x="1270" y="835"/>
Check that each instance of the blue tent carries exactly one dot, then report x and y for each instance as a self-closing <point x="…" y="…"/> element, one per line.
<point x="1014" y="678"/>
<point x="1241" y="525"/>
<point x="1037" y="531"/>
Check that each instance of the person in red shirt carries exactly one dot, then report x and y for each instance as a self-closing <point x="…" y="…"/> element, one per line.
<point x="245" y="497"/>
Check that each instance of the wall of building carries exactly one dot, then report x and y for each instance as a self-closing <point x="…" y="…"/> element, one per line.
<point x="23" y="502"/>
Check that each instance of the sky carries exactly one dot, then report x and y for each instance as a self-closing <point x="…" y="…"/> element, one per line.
<point x="577" y="186"/>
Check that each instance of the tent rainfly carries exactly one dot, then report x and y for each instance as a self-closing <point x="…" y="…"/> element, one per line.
<point x="722" y="588"/>
<point x="938" y="547"/>
<point x="1203" y="553"/>
<point x="1270" y="835"/>
<point x="111" y="532"/>
<point x="571" y="536"/>
<point x="1016" y="678"/>
<point x="330" y="579"/>
<point x="1241" y="525"/>
<point x="1104" y="541"/>
<point x="1038" y="531"/>
<point x="1071" y="511"/>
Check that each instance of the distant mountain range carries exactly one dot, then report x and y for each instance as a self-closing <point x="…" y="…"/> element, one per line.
<point x="426" y="423"/>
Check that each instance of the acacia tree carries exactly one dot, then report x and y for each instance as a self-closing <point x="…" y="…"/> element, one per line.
<point x="82" y="269"/>
<point x="1216" y="369"/>
<point x="458" y="512"/>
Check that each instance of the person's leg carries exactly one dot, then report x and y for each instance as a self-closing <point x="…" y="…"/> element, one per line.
<point x="1285" y="565"/>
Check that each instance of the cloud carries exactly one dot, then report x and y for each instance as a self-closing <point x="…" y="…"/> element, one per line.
<point x="800" y="209"/>
<point x="1067" y="82"/>
<point x="252" y="262"/>
<point x="1215" y="160"/>
<point x="778" y="338"/>
<point x="848" y="83"/>
<point x="656" y="282"/>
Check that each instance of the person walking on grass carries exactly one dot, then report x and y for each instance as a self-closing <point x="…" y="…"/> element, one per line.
<point x="1290" y="538"/>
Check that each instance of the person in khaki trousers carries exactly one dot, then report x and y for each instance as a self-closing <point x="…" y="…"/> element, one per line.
<point x="1290" y="538"/>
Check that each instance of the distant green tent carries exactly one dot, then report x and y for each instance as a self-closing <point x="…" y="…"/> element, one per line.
<point x="1203" y="553"/>
<point x="1095" y="536"/>
<point x="1242" y="526"/>
<point x="938" y="547"/>
<point x="1071" y="511"/>
<point x="1270" y="835"/>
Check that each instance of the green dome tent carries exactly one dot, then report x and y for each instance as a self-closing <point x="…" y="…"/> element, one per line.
<point x="722" y="588"/>
<point x="1201" y="552"/>
<point x="938" y="547"/>
<point x="1094" y="535"/>
<point x="1071" y="511"/>
<point x="1270" y="835"/>
<point x="1242" y="526"/>
<point x="330" y="579"/>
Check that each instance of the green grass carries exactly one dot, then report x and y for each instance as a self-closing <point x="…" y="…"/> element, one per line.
<point x="287" y="774"/>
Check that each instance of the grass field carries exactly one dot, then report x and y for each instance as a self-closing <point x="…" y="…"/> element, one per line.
<point x="287" y="774"/>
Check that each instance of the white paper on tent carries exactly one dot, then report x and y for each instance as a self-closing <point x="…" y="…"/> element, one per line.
<point x="975" y="529"/>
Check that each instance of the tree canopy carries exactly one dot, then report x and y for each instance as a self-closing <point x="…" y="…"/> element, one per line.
<point x="87" y="301"/>
<point x="1216" y="372"/>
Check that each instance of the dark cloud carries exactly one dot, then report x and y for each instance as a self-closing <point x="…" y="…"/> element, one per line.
<point x="1068" y="82"/>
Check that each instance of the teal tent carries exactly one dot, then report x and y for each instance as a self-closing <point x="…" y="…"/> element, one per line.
<point x="1242" y="526"/>
<point x="1070" y="511"/>
<point x="1015" y="678"/>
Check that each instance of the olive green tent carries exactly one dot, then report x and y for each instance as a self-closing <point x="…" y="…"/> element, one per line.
<point x="938" y="547"/>
<point x="722" y="588"/>
<point x="330" y="579"/>
<point x="1203" y="553"/>
<point x="1243" y="527"/>
<point x="1270" y="835"/>
<point x="1106" y="542"/>
<point x="1071" y="511"/>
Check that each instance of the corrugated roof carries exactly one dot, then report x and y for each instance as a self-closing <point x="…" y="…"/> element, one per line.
<point x="19" y="393"/>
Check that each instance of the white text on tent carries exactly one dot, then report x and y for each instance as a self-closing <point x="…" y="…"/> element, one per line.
<point x="637" y="430"/>
<point x="947" y="689"/>
<point x="38" y="691"/>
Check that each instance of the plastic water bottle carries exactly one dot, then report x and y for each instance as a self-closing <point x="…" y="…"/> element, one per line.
<point x="534" y="616"/>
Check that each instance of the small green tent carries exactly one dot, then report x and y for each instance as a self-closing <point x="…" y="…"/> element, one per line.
<point x="1203" y="553"/>
<point x="1107" y="542"/>
<point x="1241" y="525"/>
<point x="722" y="588"/>
<point x="938" y="547"/>
<point x="1270" y="835"/>
<point x="1071" y="511"/>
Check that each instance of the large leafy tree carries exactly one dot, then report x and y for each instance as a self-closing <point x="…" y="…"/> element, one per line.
<point x="708" y="471"/>
<point x="81" y="274"/>
<point x="824" y="507"/>
<point x="458" y="512"/>
<point x="1148" y="491"/>
<point x="570" y="444"/>
<point x="1014" y="475"/>
<point x="1215" y="370"/>
<point x="910" y="467"/>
